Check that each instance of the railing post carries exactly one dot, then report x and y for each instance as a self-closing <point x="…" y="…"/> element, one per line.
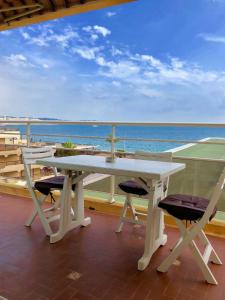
<point x="28" y="134"/>
<point x="113" y="141"/>
<point x="112" y="178"/>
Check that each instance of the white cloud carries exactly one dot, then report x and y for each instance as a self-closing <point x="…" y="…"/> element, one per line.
<point x="86" y="52"/>
<point x="94" y="36"/>
<point x="17" y="60"/>
<point x="116" y="83"/>
<point x="212" y="38"/>
<point x="39" y="41"/>
<point x="87" y="29"/>
<point x="101" y="61"/>
<point x="135" y="69"/>
<point x="102" y="30"/>
<point x="96" y="31"/>
<point x="149" y="84"/>
<point x="25" y="35"/>
<point x="42" y="62"/>
<point x="6" y="32"/>
<point x="47" y="35"/>
<point x="144" y="73"/>
<point x="122" y="69"/>
<point x="216" y="1"/>
<point x="65" y="38"/>
<point x="156" y="63"/>
<point x="110" y="14"/>
<point x="149" y="92"/>
<point x="177" y="63"/>
<point x="45" y="66"/>
<point x="34" y="61"/>
<point x="115" y="51"/>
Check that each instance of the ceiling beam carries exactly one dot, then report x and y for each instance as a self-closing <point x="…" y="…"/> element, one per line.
<point x="3" y="14"/>
<point x="63" y="12"/>
<point x="32" y="8"/>
<point x="67" y="3"/>
<point x="41" y="10"/>
<point x="23" y="2"/>
<point x="52" y="4"/>
<point x="10" y="5"/>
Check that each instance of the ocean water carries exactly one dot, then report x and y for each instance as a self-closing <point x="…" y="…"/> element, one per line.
<point x="166" y="132"/>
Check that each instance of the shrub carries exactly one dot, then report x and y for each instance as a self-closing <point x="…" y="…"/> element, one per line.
<point x="69" y="145"/>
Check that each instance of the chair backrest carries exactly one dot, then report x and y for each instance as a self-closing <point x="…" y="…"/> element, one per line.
<point x="30" y="155"/>
<point x="215" y="198"/>
<point x="158" y="156"/>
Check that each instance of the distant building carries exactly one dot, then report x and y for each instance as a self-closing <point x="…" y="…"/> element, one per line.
<point x="10" y="155"/>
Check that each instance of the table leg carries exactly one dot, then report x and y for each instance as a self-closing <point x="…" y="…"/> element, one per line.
<point x="65" y="210"/>
<point x="154" y="232"/>
<point x="67" y="221"/>
<point x="80" y="205"/>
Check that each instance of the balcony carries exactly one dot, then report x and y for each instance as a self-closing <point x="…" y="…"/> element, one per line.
<point x="92" y="262"/>
<point x="95" y="262"/>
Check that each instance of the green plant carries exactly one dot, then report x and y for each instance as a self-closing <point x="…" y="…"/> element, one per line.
<point x="121" y="153"/>
<point x="110" y="138"/>
<point x="69" y="145"/>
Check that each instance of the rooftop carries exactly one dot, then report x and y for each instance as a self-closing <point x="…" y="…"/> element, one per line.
<point x="213" y="151"/>
<point x="92" y="262"/>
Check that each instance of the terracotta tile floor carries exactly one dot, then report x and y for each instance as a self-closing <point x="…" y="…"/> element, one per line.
<point x="92" y="262"/>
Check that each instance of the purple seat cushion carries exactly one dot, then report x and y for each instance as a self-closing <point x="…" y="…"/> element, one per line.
<point x="132" y="187"/>
<point x="185" y="207"/>
<point x="53" y="183"/>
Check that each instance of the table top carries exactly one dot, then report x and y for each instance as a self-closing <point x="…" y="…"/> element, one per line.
<point x="121" y="166"/>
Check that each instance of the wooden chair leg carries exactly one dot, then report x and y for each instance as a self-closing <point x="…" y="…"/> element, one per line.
<point x="202" y="264"/>
<point x="165" y="265"/>
<point x="175" y="253"/>
<point x="132" y="208"/>
<point x="123" y="215"/>
<point x="213" y="257"/>
<point x="187" y="239"/>
<point x="39" y="211"/>
<point x="30" y="220"/>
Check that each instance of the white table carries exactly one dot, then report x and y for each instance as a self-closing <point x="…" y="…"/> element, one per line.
<point x="150" y="173"/>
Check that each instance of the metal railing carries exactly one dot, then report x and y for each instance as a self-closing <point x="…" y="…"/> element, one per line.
<point x="113" y="130"/>
<point x="112" y="137"/>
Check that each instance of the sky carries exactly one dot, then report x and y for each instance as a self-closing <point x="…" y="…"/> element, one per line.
<point x="146" y="61"/>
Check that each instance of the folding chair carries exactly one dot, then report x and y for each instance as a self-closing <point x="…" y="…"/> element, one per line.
<point x="134" y="188"/>
<point x="199" y="211"/>
<point x="45" y="187"/>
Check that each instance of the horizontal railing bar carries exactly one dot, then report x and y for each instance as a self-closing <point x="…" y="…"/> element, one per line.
<point x="70" y="136"/>
<point x="124" y="138"/>
<point x="172" y="141"/>
<point x="132" y="139"/>
<point x="115" y="123"/>
<point x="129" y="153"/>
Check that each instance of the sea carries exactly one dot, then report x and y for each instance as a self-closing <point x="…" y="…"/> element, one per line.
<point x="156" y="132"/>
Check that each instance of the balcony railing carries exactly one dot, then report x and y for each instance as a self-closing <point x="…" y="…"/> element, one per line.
<point x="202" y="166"/>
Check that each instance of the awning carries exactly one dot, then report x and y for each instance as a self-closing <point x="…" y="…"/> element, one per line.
<point x="16" y="13"/>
